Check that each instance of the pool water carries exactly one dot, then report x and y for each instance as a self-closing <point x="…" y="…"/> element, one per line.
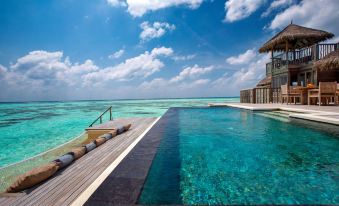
<point x="231" y="156"/>
<point x="28" y="129"/>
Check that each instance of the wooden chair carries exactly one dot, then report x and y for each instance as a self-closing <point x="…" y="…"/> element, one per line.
<point x="326" y="91"/>
<point x="289" y="93"/>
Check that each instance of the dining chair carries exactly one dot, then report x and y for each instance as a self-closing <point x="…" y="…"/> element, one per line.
<point x="327" y="91"/>
<point x="289" y="93"/>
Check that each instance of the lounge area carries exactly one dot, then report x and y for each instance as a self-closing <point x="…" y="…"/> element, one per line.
<point x="327" y="93"/>
<point x="302" y="70"/>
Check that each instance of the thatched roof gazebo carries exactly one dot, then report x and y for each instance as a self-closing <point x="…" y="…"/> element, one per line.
<point x="295" y="37"/>
<point x="329" y="62"/>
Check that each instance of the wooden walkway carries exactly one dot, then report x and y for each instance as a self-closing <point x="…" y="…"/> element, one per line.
<point x="287" y="107"/>
<point x="67" y="185"/>
<point x="323" y="114"/>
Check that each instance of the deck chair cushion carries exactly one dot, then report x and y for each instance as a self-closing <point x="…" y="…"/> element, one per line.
<point x="65" y="160"/>
<point x="107" y="136"/>
<point x="120" y="129"/>
<point x="100" y="140"/>
<point x="33" y="177"/>
<point x="78" y="152"/>
<point x="90" y="146"/>
<point x="126" y="127"/>
<point x="113" y="133"/>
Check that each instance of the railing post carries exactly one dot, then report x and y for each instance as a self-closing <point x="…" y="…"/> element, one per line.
<point x="100" y="119"/>
<point x="110" y="113"/>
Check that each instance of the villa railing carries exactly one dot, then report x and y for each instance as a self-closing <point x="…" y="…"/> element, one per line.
<point x="323" y="49"/>
<point x="260" y="95"/>
<point x="109" y="109"/>
<point x="247" y="96"/>
<point x="301" y="56"/>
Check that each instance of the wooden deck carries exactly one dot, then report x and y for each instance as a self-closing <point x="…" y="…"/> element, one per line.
<point x="287" y="107"/>
<point x="324" y="114"/>
<point x="67" y="185"/>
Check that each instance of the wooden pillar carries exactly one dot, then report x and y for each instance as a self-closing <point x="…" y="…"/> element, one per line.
<point x="286" y="49"/>
<point x="288" y="74"/>
<point x="272" y="65"/>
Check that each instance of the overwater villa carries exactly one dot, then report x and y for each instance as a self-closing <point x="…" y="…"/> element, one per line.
<point x="301" y="69"/>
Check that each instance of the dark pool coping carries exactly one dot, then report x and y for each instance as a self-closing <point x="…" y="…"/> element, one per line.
<point x="124" y="185"/>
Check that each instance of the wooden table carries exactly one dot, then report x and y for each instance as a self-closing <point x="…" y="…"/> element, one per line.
<point x="304" y="93"/>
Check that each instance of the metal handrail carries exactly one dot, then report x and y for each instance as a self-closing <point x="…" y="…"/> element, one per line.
<point x="100" y="117"/>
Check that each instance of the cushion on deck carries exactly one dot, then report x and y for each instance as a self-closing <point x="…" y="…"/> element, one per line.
<point x="90" y="146"/>
<point x="113" y="133"/>
<point x="120" y="129"/>
<point x="126" y="127"/>
<point x="107" y="136"/>
<point x="100" y="140"/>
<point x="78" y="152"/>
<point x="33" y="177"/>
<point x="65" y="160"/>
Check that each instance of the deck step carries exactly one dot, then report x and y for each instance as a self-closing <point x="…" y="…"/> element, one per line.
<point x="274" y="116"/>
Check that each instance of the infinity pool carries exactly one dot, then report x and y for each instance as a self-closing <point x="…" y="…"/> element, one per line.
<point x="231" y="156"/>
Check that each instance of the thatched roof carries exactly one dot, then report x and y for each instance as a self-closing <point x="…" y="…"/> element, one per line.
<point x="297" y="37"/>
<point x="265" y="82"/>
<point x="330" y="61"/>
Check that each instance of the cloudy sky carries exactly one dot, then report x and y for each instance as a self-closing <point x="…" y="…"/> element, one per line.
<point x="116" y="49"/>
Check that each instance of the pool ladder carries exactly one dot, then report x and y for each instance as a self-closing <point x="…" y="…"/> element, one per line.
<point x="109" y="109"/>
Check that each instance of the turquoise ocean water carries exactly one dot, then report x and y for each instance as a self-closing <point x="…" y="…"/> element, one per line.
<point x="28" y="129"/>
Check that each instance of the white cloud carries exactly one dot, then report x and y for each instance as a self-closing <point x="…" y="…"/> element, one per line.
<point x="201" y="82"/>
<point x="247" y="76"/>
<point x="321" y="14"/>
<point x="3" y="71"/>
<point x="185" y="84"/>
<point x="183" y="58"/>
<point x="155" y="83"/>
<point x="275" y="5"/>
<point x="117" y="54"/>
<point x="155" y="30"/>
<point x="162" y="51"/>
<point x="47" y="67"/>
<point x="116" y="3"/>
<point x="140" y="66"/>
<point x="240" y="9"/>
<point x="242" y="58"/>
<point x="138" y="8"/>
<point x="191" y="73"/>
<point x="40" y="75"/>
<point x="43" y="75"/>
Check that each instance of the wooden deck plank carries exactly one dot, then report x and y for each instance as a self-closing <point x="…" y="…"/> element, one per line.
<point x="80" y="187"/>
<point x="86" y="165"/>
<point x="90" y="163"/>
<point x="71" y="182"/>
<point x="68" y="172"/>
<point x="102" y="161"/>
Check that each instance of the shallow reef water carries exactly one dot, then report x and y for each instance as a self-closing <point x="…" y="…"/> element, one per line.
<point x="28" y="129"/>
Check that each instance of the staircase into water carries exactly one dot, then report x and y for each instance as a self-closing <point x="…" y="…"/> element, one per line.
<point x="277" y="115"/>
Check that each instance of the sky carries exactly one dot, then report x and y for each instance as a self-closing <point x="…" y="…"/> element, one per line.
<point x="127" y="49"/>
